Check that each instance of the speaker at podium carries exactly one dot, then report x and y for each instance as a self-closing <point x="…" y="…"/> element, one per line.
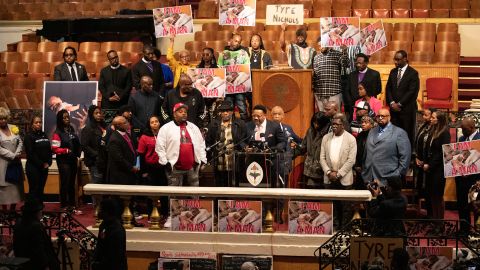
<point x="258" y="169"/>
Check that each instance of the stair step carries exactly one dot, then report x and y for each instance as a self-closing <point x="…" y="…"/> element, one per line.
<point x="469" y="60"/>
<point x="469" y="83"/>
<point x="463" y="105"/>
<point x="469" y="71"/>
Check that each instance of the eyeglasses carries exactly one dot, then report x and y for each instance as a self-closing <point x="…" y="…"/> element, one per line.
<point x="383" y="116"/>
<point x="69" y="55"/>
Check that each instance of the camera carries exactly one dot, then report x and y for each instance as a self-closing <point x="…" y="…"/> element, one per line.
<point x="373" y="185"/>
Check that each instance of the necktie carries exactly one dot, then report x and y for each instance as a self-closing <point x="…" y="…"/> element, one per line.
<point x="74" y="76"/>
<point x="150" y="66"/>
<point x="129" y="142"/>
<point x="399" y="76"/>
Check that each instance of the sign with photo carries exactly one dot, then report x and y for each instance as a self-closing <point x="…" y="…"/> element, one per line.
<point x="191" y="215"/>
<point x="197" y="260"/>
<point x="209" y="81"/>
<point x="430" y="257"/>
<point x="310" y="217"/>
<point x="373" y="38"/>
<point x="174" y="264"/>
<point x="238" y="79"/>
<point x="369" y="249"/>
<point x="176" y="20"/>
<point x="237" y="12"/>
<point x="240" y="262"/>
<point x="280" y="14"/>
<point x="339" y="31"/>
<point x="462" y="158"/>
<point x="239" y="216"/>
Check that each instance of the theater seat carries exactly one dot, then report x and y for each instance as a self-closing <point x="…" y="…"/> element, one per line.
<point x="439" y="93"/>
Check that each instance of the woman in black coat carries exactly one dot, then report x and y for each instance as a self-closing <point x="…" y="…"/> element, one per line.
<point x="91" y="137"/>
<point x="39" y="158"/>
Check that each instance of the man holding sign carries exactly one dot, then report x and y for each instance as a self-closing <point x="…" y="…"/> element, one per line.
<point x="300" y="55"/>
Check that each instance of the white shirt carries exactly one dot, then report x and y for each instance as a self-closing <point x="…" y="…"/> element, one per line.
<point x="470" y="138"/>
<point x="335" y="145"/>
<point x="260" y="129"/>
<point x="402" y="72"/>
<point x="74" y="65"/>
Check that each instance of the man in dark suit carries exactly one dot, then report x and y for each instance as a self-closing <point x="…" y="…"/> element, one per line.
<point x="401" y="92"/>
<point x="368" y="76"/>
<point x="464" y="183"/>
<point x="122" y="165"/>
<point x="70" y="70"/>
<point x="115" y="83"/>
<point x="148" y="67"/>
<point x="263" y="130"/>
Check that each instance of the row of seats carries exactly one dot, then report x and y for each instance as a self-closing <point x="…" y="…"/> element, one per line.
<point x="33" y="56"/>
<point x="20" y="98"/>
<point x="49" y="46"/>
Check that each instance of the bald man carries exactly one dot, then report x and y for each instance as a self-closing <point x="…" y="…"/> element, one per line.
<point x="144" y="103"/>
<point x="122" y="155"/>
<point x="463" y="183"/>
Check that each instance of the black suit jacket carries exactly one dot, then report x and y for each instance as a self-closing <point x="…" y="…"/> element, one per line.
<point x="407" y="91"/>
<point x="121" y="160"/>
<point x="371" y="79"/>
<point x="140" y="69"/>
<point x="62" y="72"/>
<point x="110" y="252"/>
<point x="238" y="133"/>
<point x="122" y="86"/>
<point x="274" y="136"/>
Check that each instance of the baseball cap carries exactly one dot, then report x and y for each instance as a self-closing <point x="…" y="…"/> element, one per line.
<point x="179" y="106"/>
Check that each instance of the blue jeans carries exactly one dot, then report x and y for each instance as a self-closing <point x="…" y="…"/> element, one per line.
<point x="239" y="101"/>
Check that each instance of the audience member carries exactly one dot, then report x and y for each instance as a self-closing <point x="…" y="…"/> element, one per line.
<point x="326" y="76"/>
<point x="111" y="250"/>
<point x="11" y="181"/>
<point x="299" y="54"/>
<point x="191" y="97"/>
<point x="375" y="104"/>
<point x="167" y="73"/>
<point x="208" y="59"/>
<point x="362" y="109"/>
<point x="463" y="183"/>
<point x="433" y="166"/>
<point x="181" y="148"/>
<point x="262" y="130"/>
<point x="401" y="94"/>
<point x="70" y="70"/>
<point x="259" y="57"/>
<point x="144" y="103"/>
<point x="66" y="147"/>
<point x="30" y="238"/>
<point x="122" y="164"/>
<point x="421" y="146"/>
<point x="365" y="75"/>
<point x="115" y="83"/>
<point x="387" y="151"/>
<point x="178" y="67"/>
<point x="39" y="158"/>
<point x="367" y="123"/>
<point x="90" y="139"/>
<point x="228" y="134"/>
<point x="148" y="67"/>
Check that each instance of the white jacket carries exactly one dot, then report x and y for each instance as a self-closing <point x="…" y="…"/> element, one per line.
<point x="168" y="143"/>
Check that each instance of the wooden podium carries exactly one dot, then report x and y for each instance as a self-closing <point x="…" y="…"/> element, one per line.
<point x="290" y="89"/>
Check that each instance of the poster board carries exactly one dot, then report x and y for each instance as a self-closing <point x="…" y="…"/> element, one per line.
<point x="238" y="79"/>
<point x="237" y="216"/>
<point x="462" y="158"/>
<point x="310" y="217"/>
<point x="235" y="262"/>
<point x="211" y="82"/>
<point x="280" y="14"/>
<point x="373" y="38"/>
<point x="191" y="215"/>
<point x="367" y="249"/>
<point x="237" y="12"/>
<point x="197" y="260"/>
<point x="339" y="31"/>
<point x="175" y="20"/>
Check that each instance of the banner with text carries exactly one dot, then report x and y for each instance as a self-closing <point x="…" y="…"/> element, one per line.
<point x="191" y="215"/>
<point x="239" y="216"/>
<point x="289" y="14"/>
<point x="373" y="38"/>
<point x="310" y="217"/>
<point x="430" y="257"/>
<point x="462" y="158"/>
<point x="338" y="31"/>
<point x="176" y="20"/>
<point x="368" y="249"/>
<point x="197" y="260"/>
<point x="237" y="12"/>
<point x="238" y="79"/>
<point x="209" y="81"/>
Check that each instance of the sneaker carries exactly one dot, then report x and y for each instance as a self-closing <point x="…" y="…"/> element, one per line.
<point x="168" y="223"/>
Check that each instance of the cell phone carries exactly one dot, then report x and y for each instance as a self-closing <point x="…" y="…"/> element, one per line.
<point x="373" y="185"/>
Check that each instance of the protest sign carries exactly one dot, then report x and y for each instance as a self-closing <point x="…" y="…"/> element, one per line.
<point x="430" y="257"/>
<point x="289" y="14"/>
<point x="197" y="260"/>
<point x="239" y="216"/>
<point x="238" y="79"/>
<point x="368" y="249"/>
<point x="209" y="81"/>
<point x="191" y="215"/>
<point x="338" y="31"/>
<point x="235" y="262"/>
<point x="310" y="217"/>
<point x="462" y="158"/>
<point x="237" y="12"/>
<point x="373" y="38"/>
<point x="176" y="20"/>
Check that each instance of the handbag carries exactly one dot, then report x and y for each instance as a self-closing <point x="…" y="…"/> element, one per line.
<point x="13" y="174"/>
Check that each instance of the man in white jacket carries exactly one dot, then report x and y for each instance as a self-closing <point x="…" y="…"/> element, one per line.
<point x="181" y="149"/>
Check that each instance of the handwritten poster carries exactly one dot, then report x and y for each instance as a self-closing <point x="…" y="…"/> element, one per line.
<point x="368" y="249"/>
<point x="289" y="14"/>
<point x="373" y="38"/>
<point x="239" y="216"/>
<point x="338" y="31"/>
<point x="237" y="12"/>
<point x="173" y="20"/>
<point x="191" y="215"/>
<point x="310" y="217"/>
<point x="209" y="81"/>
<point x="462" y="158"/>
<point x="238" y="79"/>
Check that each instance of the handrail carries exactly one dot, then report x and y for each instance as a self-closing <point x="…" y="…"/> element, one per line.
<point x="234" y="192"/>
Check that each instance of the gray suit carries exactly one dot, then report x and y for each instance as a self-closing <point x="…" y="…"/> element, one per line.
<point x="386" y="155"/>
<point x="62" y="72"/>
<point x="346" y="158"/>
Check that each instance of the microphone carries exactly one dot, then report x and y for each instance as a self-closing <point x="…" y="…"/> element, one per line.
<point x="212" y="146"/>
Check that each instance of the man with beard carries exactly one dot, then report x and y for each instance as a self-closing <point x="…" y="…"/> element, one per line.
<point x="300" y="55"/>
<point x="225" y="132"/>
<point x="115" y="83"/>
<point x="191" y="97"/>
<point x="70" y="70"/>
<point x="147" y="66"/>
<point x="181" y="148"/>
